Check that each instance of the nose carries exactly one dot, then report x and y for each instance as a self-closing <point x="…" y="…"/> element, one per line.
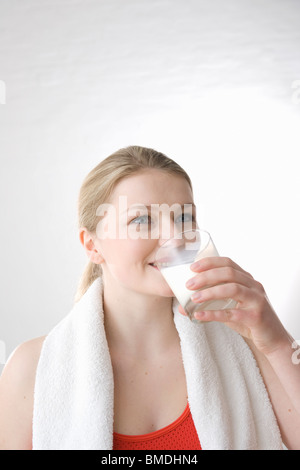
<point x="173" y="234"/>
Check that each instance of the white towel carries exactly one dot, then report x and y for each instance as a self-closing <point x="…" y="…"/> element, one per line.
<point x="73" y="400"/>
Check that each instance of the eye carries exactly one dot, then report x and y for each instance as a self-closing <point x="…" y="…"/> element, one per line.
<point x="142" y="219"/>
<point x="184" y="218"/>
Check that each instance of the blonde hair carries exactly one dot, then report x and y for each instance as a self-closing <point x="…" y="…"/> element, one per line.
<point x="99" y="184"/>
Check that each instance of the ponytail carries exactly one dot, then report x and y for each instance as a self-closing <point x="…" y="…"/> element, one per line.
<point x="91" y="272"/>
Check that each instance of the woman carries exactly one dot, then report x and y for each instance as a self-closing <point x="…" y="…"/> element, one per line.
<point x="125" y="368"/>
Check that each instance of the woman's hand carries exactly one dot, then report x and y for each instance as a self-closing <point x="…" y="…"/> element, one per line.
<point x="253" y="317"/>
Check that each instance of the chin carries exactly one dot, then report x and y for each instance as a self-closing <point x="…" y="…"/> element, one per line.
<point x="165" y="292"/>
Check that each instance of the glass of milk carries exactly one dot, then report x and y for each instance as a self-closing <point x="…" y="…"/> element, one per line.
<point x="174" y="258"/>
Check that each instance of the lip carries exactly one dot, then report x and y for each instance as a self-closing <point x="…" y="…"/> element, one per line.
<point x="163" y="262"/>
<point x="153" y="266"/>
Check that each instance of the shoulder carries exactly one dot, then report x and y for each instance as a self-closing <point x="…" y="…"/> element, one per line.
<point x="22" y="363"/>
<point x="26" y="353"/>
<point x="16" y="395"/>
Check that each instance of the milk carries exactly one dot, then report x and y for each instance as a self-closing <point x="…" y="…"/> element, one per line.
<point x="177" y="275"/>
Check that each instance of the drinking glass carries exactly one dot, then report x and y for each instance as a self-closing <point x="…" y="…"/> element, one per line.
<point x="174" y="258"/>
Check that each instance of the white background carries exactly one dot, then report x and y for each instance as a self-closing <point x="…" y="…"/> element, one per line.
<point x="214" y="84"/>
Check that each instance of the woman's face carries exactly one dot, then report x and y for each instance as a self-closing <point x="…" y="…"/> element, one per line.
<point x="147" y="209"/>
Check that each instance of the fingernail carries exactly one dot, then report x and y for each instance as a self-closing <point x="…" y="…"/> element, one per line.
<point x="190" y="283"/>
<point x="197" y="296"/>
<point x="199" y="315"/>
<point x="195" y="265"/>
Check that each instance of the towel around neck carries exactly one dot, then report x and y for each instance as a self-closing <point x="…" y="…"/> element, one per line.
<point x="74" y="389"/>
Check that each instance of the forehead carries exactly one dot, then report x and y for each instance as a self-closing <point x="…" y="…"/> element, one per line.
<point x="153" y="187"/>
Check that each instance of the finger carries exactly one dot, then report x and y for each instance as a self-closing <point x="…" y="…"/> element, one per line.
<point x="237" y="292"/>
<point x="220" y="276"/>
<point x="216" y="262"/>
<point x="182" y="311"/>
<point x="224" y="316"/>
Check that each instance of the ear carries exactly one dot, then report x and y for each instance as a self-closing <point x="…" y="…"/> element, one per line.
<point x="88" y="243"/>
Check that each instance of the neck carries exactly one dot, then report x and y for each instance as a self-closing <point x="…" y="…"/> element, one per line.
<point x="137" y="323"/>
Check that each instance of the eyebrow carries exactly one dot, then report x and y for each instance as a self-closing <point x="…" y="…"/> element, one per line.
<point x="142" y="206"/>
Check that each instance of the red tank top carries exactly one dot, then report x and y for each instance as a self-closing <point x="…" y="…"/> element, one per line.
<point x="179" y="435"/>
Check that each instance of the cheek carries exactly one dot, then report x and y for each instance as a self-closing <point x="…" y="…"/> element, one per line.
<point x="126" y="254"/>
<point x="112" y="251"/>
<point x="124" y="261"/>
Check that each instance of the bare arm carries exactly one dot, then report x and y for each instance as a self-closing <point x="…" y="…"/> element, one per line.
<point x="281" y="374"/>
<point x="255" y="319"/>
<point x="16" y="396"/>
